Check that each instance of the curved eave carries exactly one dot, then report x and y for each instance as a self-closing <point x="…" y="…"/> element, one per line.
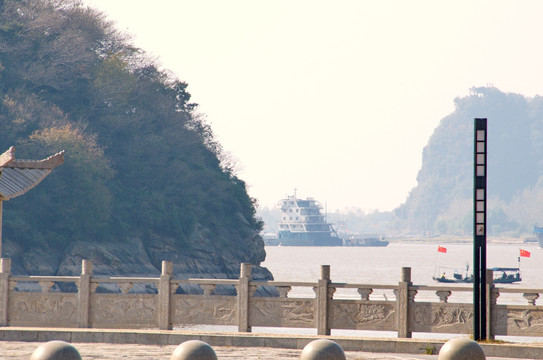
<point x="17" y="181"/>
<point x="19" y="176"/>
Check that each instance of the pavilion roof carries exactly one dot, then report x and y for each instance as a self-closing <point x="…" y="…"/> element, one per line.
<point x="19" y="176"/>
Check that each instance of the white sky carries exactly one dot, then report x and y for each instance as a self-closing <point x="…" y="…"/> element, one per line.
<point x="335" y="98"/>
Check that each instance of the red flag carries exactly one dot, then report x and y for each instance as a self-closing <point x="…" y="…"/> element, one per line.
<point x="524" y="253"/>
<point x="441" y="249"/>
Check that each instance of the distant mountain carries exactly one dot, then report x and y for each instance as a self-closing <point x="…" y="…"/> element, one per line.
<point x="442" y="200"/>
<point x="143" y="180"/>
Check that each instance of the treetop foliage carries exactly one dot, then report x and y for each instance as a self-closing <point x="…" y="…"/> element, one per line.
<point x="140" y="160"/>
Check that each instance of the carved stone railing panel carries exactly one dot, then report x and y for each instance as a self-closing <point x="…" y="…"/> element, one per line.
<point x="282" y="312"/>
<point x="442" y="318"/>
<point x="363" y="315"/>
<point x="43" y="309"/>
<point x="126" y="311"/>
<point x="518" y="321"/>
<point x="531" y="297"/>
<point x="365" y="293"/>
<point x="443" y="295"/>
<point x="214" y="310"/>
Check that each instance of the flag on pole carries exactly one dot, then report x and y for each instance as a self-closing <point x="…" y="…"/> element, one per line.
<point x="442" y="249"/>
<point x="524" y="253"/>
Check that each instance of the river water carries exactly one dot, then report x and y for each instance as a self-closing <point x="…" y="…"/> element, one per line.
<point x="382" y="265"/>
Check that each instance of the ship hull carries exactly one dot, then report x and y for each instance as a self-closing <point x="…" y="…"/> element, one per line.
<point x="539" y="235"/>
<point x="307" y="239"/>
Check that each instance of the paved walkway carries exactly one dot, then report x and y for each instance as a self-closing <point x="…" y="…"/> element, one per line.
<point x="14" y="350"/>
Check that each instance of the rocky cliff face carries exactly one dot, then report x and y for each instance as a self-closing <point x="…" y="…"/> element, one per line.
<point x="133" y="258"/>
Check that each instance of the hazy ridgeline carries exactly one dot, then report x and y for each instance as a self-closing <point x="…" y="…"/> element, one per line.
<point x="442" y="201"/>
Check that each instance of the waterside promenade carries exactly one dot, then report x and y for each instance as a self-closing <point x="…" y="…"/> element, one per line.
<point x="19" y="343"/>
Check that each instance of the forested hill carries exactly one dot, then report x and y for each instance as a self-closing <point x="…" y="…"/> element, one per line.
<point x="143" y="179"/>
<point x="442" y="202"/>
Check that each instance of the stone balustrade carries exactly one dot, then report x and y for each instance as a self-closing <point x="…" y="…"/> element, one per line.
<point x="115" y="302"/>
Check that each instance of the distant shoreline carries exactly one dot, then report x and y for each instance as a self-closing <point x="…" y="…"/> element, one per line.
<point x="446" y="239"/>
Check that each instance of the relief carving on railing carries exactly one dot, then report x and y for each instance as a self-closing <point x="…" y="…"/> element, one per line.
<point x="376" y="315"/>
<point x="520" y="321"/>
<point x="214" y="310"/>
<point x="442" y="317"/>
<point x="38" y="307"/>
<point x="292" y="313"/>
<point x="127" y="309"/>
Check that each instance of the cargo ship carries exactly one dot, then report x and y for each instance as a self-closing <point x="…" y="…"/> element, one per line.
<point x="303" y="224"/>
<point x="539" y="235"/>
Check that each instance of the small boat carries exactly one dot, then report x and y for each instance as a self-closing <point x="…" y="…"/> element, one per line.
<point x="502" y="275"/>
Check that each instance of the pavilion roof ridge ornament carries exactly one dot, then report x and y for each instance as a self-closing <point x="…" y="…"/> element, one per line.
<point x="7" y="159"/>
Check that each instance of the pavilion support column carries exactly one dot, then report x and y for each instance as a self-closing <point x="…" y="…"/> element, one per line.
<point x="5" y="272"/>
<point x="1" y="215"/>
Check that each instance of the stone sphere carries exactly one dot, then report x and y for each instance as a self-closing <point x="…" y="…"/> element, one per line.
<point x="194" y="350"/>
<point x="461" y="349"/>
<point x="322" y="349"/>
<point x="55" y="350"/>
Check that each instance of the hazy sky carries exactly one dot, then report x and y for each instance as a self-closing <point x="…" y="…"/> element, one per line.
<point x="335" y="98"/>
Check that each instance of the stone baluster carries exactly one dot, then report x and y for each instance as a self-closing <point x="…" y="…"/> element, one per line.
<point x="531" y="297"/>
<point x="365" y="293"/>
<point x="85" y="288"/>
<point x="208" y="288"/>
<point x="403" y="298"/>
<point x="443" y="295"/>
<point x="283" y="291"/>
<point x="164" y="296"/>
<point x="125" y="287"/>
<point x="94" y="286"/>
<point x="5" y="272"/>
<point x="173" y="288"/>
<point x="489" y="303"/>
<point x="46" y="285"/>
<point x="243" y="298"/>
<point x="323" y="298"/>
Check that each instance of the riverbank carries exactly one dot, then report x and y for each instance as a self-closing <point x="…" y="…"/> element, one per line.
<point x="19" y="343"/>
<point x="451" y="239"/>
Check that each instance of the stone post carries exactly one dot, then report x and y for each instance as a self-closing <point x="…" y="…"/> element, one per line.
<point x="5" y="272"/>
<point x="322" y="301"/>
<point x="403" y="303"/>
<point x="84" y="293"/>
<point x="490" y="302"/>
<point x="164" y="296"/>
<point x="243" y="298"/>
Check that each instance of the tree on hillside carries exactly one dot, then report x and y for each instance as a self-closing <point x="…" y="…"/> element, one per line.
<point x="141" y="162"/>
